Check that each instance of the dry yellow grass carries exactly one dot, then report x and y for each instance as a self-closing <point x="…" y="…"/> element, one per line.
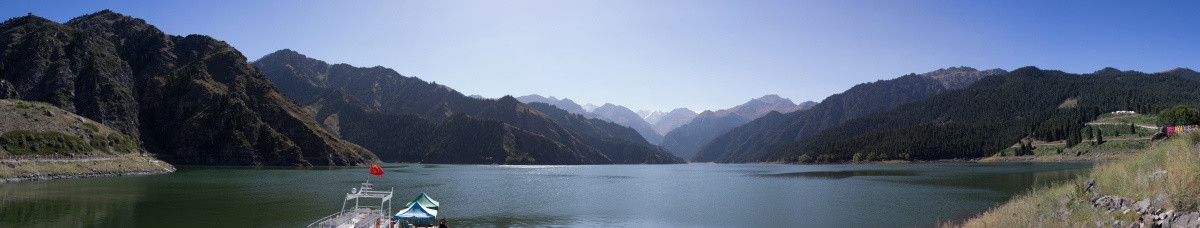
<point x="1170" y="168"/>
<point x="1043" y="207"/>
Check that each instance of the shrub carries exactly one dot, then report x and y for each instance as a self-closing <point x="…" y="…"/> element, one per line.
<point x="21" y="142"/>
<point x="1179" y="115"/>
<point x="91" y="126"/>
<point x="114" y="143"/>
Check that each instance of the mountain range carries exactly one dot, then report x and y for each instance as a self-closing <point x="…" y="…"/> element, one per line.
<point x="405" y="119"/>
<point x="992" y="114"/>
<point x="664" y="122"/>
<point x="753" y="140"/>
<point x="616" y="114"/>
<point x="189" y="99"/>
<point x="653" y="125"/>
<point x="195" y="100"/>
<point x="626" y="117"/>
<point x="685" y="140"/>
<point x="564" y="104"/>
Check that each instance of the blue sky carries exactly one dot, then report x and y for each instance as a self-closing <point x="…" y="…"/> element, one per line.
<point x="667" y="54"/>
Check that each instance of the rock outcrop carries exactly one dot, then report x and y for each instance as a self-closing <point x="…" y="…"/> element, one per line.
<point x="1149" y="212"/>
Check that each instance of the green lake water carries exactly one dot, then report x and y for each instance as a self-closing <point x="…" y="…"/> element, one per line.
<point x="692" y="195"/>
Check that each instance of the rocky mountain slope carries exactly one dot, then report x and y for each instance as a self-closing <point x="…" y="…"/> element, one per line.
<point x="409" y="120"/>
<point x="190" y="99"/>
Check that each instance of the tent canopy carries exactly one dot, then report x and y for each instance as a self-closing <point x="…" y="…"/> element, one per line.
<point x="424" y="201"/>
<point x="415" y="212"/>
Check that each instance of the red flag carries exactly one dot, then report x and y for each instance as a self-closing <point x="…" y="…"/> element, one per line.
<point x="375" y="170"/>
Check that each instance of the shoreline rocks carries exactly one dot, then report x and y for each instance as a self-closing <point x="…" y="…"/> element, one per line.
<point x="86" y="175"/>
<point x="1149" y="213"/>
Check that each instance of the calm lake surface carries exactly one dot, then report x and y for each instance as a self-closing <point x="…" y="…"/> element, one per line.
<point x="692" y="195"/>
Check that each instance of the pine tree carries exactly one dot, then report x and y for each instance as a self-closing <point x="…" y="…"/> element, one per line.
<point x="1028" y="148"/>
<point x="1072" y="139"/>
<point x="1087" y="131"/>
<point x="1099" y="136"/>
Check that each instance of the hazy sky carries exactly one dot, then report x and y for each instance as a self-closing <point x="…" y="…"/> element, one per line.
<point x="667" y="54"/>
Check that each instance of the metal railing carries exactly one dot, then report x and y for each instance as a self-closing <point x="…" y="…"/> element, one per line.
<point x="327" y="217"/>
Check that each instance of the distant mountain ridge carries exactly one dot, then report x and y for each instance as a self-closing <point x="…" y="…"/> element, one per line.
<point x="671" y="120"/>
<point x="654" y="125"/>
<point x="564" y="104"/>
<point x="755" y="139"/>
<point x="686" y="139"/>
<point x="610" y="112"/>
<point x="623" y="116"/>
<point x="409" y="120"/>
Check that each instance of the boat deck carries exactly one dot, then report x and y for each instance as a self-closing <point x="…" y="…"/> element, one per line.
<point x="357" y="218"/>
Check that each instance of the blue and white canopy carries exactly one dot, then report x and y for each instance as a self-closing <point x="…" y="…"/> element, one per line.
<point x="416" y="213"/>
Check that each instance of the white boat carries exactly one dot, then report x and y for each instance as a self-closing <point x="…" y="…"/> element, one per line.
<point x="361" y="215"/>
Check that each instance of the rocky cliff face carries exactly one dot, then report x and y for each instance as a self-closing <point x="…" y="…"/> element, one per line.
<point x="191" y="100"/>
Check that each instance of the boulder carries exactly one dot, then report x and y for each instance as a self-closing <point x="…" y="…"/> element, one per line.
<point x="8" y="91"/>
<point x="1186" y="220"/>
<point x="1142" y="206"/>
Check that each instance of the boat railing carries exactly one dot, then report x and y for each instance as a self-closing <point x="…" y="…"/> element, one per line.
<point x="323" y="219"/>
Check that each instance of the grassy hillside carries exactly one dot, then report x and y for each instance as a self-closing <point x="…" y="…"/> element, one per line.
<point x="77" y="167"/>
<point x="35" y="128"/>
<point x="1160" y="184"/>
<point x="1119" y="139"/>
<point x="41" y="141"/>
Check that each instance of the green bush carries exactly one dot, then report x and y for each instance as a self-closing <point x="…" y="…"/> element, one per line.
<point x="114" y="143"/>
<point x="91" y="126"/>
<point x="1179" y="115"/>
<point x="22" y="142"/>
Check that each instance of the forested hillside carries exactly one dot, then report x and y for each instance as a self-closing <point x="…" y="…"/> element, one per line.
<point x="991" y="115"/>
<point x="751" y="141"/>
